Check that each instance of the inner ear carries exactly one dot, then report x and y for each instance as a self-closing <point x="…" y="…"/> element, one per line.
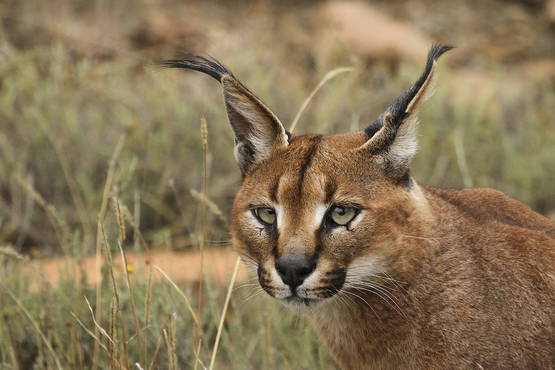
<point x="256" y="128"/>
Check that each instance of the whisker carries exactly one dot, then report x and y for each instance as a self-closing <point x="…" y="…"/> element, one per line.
<point x="337" y="299"/>
<point x="244" y="286"/>
<point x="252" y="290"/>
<point x="249" y="262"/>
<point x="344" y="299"/>
<point x="383" y="295"/>
<point x="382" y="291"/>
<point x="364" y="300"/>
<point x="258" y="292"/>
<point x="387" y="290"/>
<point x="396" y="282"/>
<point x="387" y="277"/>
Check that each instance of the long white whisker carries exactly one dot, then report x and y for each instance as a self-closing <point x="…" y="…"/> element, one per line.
<point x="337" y="299"/>
<point x="244" y="286"/>
<point x="258" y="292"/>
<point x="364" y="300"/>
<point x="396" y="282"/>
<point x="383" y="295"/>
<point x="382" y="291"/>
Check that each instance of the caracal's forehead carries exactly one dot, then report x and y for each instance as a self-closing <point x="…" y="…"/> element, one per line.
<point x="312" y="169"/>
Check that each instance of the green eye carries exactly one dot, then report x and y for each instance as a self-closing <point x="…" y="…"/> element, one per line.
<point x="265" y="215"/>
<point x="343" y="215"/>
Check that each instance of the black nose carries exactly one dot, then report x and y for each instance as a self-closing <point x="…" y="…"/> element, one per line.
<point x="293" y="269"/>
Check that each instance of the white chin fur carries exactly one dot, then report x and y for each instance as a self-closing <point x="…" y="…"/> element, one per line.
<point x="300" y="306"/>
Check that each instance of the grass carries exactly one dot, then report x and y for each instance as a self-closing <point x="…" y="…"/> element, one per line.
<point x="100" y="157"/>
<point x="56" y="326"/>
<point x="136" y="320"/>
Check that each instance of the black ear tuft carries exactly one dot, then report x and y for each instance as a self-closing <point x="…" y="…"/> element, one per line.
<point x="392" y="135"/>
<point x="399" y="109"/>
<point x="209" y="66"/>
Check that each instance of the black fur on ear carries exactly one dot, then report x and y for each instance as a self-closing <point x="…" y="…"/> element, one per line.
<point x="392" y="134"/>
<point x="209" y="66"/>
<point x="407" y="102"/>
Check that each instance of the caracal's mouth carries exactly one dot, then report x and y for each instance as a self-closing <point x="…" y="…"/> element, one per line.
<point x="299" y="300"/>
<point x="304" y="293"/>
<point x="301" y="304"/>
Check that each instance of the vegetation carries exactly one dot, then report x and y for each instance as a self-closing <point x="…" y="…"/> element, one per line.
<point x="100" y="155"/>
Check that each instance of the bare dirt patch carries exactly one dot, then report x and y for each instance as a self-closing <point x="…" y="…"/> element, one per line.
<point x="180" y="266"/>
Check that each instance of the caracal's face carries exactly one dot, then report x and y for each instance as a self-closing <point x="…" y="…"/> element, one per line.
<point x="310" y="221"/>
<point x="318" y="215"/>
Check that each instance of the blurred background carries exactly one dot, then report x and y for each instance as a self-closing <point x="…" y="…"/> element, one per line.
<point x="100" y="148"/>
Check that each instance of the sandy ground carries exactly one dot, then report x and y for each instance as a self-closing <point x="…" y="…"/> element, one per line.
<point x="179" y="266"/>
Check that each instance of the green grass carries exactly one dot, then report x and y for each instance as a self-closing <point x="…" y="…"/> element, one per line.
<point x="62" y="117"/>
<point x="257" y="333"/>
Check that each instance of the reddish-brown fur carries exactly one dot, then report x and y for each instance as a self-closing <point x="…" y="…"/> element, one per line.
<point x="419" y="278"/>
<point x="475" y="272"/>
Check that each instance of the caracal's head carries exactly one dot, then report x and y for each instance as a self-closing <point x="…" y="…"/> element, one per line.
<point x="316" y="214"/>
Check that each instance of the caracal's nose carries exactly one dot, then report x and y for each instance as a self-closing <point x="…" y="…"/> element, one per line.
<point x="294" y="269"/>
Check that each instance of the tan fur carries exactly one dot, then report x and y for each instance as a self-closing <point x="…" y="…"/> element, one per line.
<point x="420" y="278"/>
<point x="473" y="268"/>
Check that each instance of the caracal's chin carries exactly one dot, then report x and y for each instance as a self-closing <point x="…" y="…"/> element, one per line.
<point x="303" y="305"/>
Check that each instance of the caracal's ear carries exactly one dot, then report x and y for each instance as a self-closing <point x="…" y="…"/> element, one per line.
<point x="392" y="135"/>
<point x="256" y="128"/>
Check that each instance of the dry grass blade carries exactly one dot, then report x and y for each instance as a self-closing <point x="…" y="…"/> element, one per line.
<point x="134" y="224"/>
<point x="99" y="239"/>
<point x="10" y="251"/>
<point x="89" y="332"/>
<point x="157" y="348"/>
<point x="170" y="341"/>
<point x="187" y="302"/>
<point x="96" y="324"/>
<point x="138" y="330"/>
<point x="202" y="234"/>
<point x="193" y="316"/>
<point x="36" y="327"/>
<point x="197" y="355"/>
<point x="213" y="207"/>
<point x="113" y="353"/>
<point x="148" y="297"/>
<point x="119" y="218"/>
<point x="14" y="345"/>
<point x="96" y="339"/>
<point x="108" y="256"/>
<point x="204" y="133"/>
<point x="461" y="161"/>
<point x="331" y="74"/>
<point x="71" y="182"/>
<point x="48" y="209"/>
<point x="121" y="238"/>
<point x="224" y="311"/>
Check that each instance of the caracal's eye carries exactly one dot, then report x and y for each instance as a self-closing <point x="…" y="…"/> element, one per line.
<point x="266" y="216"/>
<point x="342" y="215"/>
